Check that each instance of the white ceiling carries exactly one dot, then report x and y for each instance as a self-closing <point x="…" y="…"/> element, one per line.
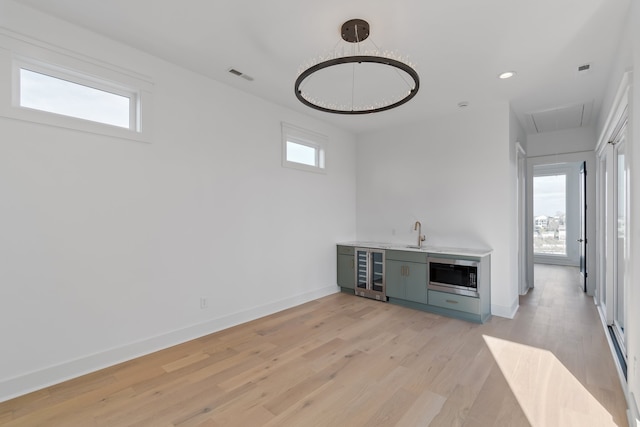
<point x="459" y="46"/>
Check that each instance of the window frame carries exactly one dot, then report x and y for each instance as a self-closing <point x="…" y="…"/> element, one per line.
<point x="79" y="79"/>
<point x="571" y="170"/>
<point x="18" y="52"/>
<point x="307" y="138"/>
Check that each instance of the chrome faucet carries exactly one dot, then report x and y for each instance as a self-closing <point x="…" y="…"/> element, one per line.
<point x="421" y="237"/>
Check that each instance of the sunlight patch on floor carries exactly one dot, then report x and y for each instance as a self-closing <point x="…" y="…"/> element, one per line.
<point x="545" y="389"/>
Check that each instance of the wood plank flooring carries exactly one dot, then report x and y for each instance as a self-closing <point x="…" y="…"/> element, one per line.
<point x="349" y="361"/>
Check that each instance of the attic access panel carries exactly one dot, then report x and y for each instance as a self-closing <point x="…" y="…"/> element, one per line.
<point x="569" y="117"/>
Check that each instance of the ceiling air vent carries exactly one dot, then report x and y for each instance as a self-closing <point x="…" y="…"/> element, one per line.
<point x="584" y="69"/>
<point x="240" y="74"/>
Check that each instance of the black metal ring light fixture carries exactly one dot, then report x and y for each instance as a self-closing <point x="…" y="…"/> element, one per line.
<point x="356" y="31"/>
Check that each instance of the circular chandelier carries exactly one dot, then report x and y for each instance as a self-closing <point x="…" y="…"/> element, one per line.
<point x="361" y="79"/>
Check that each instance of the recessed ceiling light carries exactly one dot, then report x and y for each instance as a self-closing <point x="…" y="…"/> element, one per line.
<point x="507" y="75"/>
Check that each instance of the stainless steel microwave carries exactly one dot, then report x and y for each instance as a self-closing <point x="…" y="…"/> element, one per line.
<point x="455" y="276"/>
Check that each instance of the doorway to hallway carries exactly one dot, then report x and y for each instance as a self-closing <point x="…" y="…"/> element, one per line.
<point x="559" y="226"/>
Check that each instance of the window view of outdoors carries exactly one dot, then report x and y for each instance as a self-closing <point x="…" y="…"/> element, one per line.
<point x="55" y="95"/>
<point x="549" y="208"/>
<point x="301" y="154"/>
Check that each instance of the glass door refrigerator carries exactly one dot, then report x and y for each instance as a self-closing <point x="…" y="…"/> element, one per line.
<point x="370" y="281"/>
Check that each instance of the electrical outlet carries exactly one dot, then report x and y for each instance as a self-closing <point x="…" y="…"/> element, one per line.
<point x="204" y="303"/>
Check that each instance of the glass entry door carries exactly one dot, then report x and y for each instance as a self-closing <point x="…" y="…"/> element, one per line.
<point x="556" y="213"/>
<point x="549" y="209"/>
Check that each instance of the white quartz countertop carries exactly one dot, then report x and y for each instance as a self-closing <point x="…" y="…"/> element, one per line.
<point x="473" y="252"/>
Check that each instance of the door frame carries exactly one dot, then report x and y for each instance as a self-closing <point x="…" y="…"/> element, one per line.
<point x="616" y="119"/>
<point x="608" y="212"/>
<point x="521" y="189"/>
<point x="570" y="170"/>
<point x="584" y="273"/>
<point x="577" y="157"/>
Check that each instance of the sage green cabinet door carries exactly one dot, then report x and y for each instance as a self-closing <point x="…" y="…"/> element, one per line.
<point x="406" y="280"/>
<point x="346" y="271"/>
<point x="416" y="282"/>
<point x="395" y="278"/>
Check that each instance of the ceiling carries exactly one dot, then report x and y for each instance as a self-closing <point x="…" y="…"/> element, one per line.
<point x="458" y="46"/>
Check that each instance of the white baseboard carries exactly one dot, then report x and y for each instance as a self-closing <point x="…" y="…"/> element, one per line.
<point x="503" y="311"/>
<point x="633" y="417"/>
<point x="36" y="380"/>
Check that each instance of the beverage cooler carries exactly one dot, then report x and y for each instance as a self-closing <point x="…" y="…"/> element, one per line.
<point x="369" y="272"/>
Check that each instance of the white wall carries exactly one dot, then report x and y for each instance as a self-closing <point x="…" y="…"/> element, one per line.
<point x="517" y="136"/>
<point x="453" y="174"/>
<point x="107" y="245"/>
<point x="561" y="141"/>
<point x="622" y="63"/>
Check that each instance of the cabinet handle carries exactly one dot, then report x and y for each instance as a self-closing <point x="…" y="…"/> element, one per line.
<point x="408" y="273"/>
<point x="353" y="264"/>
<point x="450" y="301"/>
<point x="405" y="270"/>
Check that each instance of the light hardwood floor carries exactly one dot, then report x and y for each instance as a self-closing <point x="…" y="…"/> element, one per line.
<point x="349" y="361"/>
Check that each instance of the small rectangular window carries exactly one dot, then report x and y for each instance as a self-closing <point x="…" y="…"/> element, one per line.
<point x="303" y="154"/>
<point x="53" y="86"/>
<point x="56" y="95"/>
<point x="303" y="149"/>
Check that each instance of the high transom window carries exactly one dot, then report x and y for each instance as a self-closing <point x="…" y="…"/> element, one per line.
<point x="74" y="97"/>
<point x="53" y="86"/>
<point x="303" y="149"/>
